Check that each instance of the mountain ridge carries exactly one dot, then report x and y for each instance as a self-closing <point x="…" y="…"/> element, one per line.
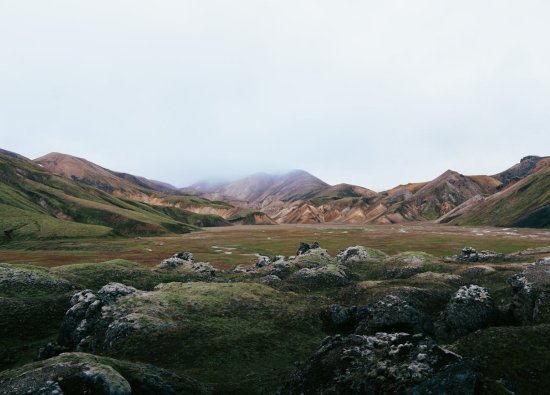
<point x="63" y="187"/>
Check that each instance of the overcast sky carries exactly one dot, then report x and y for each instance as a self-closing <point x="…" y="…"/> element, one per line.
<point x="375" y="93"/>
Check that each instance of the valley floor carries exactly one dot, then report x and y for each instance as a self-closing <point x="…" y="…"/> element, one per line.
<point x="226" y="247"/>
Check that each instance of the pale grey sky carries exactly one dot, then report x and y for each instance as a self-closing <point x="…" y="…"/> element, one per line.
<point x="374" y="93"/>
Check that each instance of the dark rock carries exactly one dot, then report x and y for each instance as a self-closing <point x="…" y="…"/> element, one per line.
<point x="469" y="254"/>
<point x="79" y="373"/>
<point x="338" y="319"/>
<point x="386" y="363"/>
<point x="359" y="254"/>
<point x="391" y="313"/>
<point x="176" y="260"/>
<point x="303" y="248"/>
<point x="263" y="261"/>
<point x="320" y="277"/>
<point x="85" y="314"/>
<point x="531" y="294"/>
<point x="469" y="309"/>
<point x="400" y="272"/>
<point x="50" y="350"/>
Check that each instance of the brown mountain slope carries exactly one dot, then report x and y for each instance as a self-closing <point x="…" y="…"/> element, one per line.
<point x="117" y="184"/>
<point x="525" y="203"/>
<point x="437" y="197"/>
<point x="261" y="190"/>
<point x="527" y="166"/>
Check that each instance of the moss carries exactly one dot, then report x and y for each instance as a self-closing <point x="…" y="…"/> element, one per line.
<point x="234" y="335"/>
<point x="518" y="355"/>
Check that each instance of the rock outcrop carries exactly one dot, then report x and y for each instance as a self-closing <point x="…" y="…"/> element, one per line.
<point x="531" y="293"/>
<point x="391" y="313"/>
<point x="87" y="313"/>
<point x="305" y="247"/>
<point x="386" y="363"/>
<point x="185" y="263"/>
<point x="359" y="254"/>
<point x="469" y="309"/>
<point x="80" y="373"/>
<point x="320" y="277"/>
<point x="470" y="254"/>
<point x="179" y="259"/>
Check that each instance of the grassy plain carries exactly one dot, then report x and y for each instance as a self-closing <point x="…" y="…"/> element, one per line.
<point x="226" y="247"/>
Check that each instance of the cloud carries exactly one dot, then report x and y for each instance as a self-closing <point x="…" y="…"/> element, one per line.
<point x="373" y="93"/>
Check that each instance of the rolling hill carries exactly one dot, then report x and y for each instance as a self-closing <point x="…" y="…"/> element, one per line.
<point x="36" y="203"/>
<point x="525" y="203"/>
<point x="59" y="195"/>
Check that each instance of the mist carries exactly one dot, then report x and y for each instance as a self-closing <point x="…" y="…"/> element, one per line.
<point x="370" y="93"/>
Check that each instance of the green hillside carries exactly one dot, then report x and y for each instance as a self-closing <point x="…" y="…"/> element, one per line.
<point x="35" y="203"/>
<point x="524" y="204"/>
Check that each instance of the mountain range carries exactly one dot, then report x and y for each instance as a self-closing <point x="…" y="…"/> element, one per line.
<point x="59" y="195"/>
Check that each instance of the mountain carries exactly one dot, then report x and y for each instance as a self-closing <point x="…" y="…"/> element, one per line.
<point x="60" y="195"/>
<point x="524" y="203"/>
<point x="36" y="203"/>
<point x="115" y="183"/>
<point x="527" y="166"/>
<point x="431" y="200"/>
<point x="260" y="190"/>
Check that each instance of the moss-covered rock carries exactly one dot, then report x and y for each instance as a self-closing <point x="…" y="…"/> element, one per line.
<point x="235" y="335"/>
<point x="79" y="373"/>
<point x="359" y="254"/>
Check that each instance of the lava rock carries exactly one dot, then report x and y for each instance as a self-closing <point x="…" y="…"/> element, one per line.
<point x="386" y="363"/>
<point x="469" y="309"/>
<point x="176" y="260"/>
<point x="359" y="254"/>
<point x="470" y="254"/>
<point x="531" y="294"/>
<point x="338" y="319"/>
<point x="263" y="261"/>
<point x="391" y="313"/>
<point x="80" y="373"/>
<point x="305" y="247"/>
<point x="85" y="314"/>
<point x="320" y="277"/>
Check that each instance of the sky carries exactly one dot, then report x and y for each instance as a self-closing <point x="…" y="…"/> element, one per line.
<point x="374" y="93"/>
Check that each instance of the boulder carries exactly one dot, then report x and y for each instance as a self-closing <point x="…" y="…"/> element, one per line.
<point x="391" y="313"/>
<point x="282" y="268"/>
<point x="469" y="309"/>
<point x="406" y="264"/>
<point x="385" y="363"/>
<point x="320" y="277"/>
<point x="359" y="254"/>
<point x="80" y="373"/>
<point x="86" y="313"/>
<point x="305" y="247"/>
<point x="339" y="319"/>
<point x="184" y="262"/>
<point x="263" y="261"/>
<point x="176" y="260"/>
<point x="470" y="254"/>
<point x="531" y="294"/>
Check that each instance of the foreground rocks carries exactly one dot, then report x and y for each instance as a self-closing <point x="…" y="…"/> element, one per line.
<point x="386" y="363"/>
<point x="185" y="263"/>
<point x="79" y="373"/>
<point x="87" y="314"/>
<point x="359" y="254"/>
<point x="469" y="309"/>
<point x="470" y="254"/>
<point x="531" y="294"/>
